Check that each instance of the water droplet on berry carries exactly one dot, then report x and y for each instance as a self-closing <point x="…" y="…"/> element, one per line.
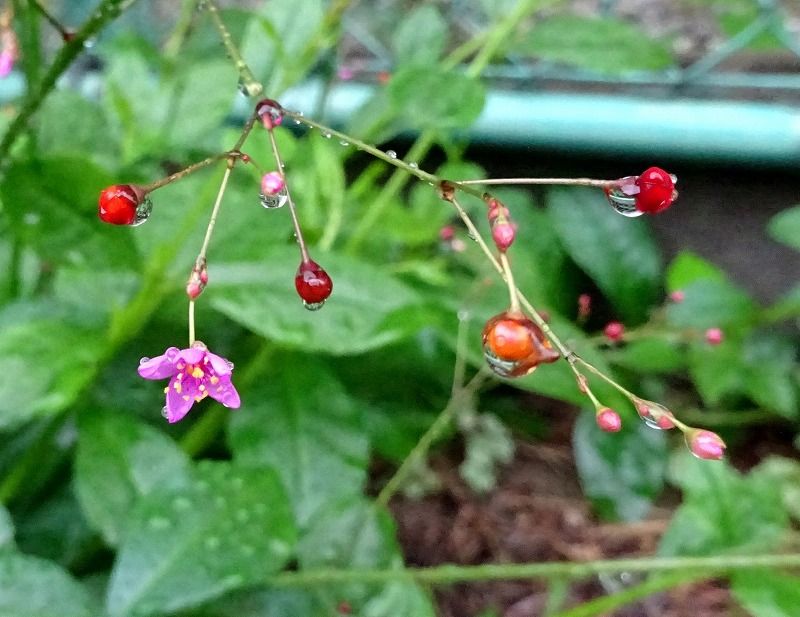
<point x="514" y="346"/>
<point x="391" y="154"/>
<point x="622" y="197"/>
<point x="272" y="202"/>
<point x="143" y="211"/>
<point x="270" y="112"/>
<point x="313" y="306"/>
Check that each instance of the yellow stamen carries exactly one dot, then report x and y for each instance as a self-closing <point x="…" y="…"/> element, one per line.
<point x="214" y="380"/>
<point x="178" y="387"/>
<point x="197" y="372"/>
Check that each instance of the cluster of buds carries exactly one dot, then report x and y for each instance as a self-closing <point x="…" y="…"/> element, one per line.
<point x="504" y="230"/>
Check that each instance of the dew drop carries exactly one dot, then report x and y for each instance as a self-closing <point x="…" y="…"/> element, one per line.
<point x="622" y="196"/>
<point x="413" y="165"/>
<point x="272" y="202"/>
<point x="229" y="363"/>
<point x="326" y="134"/>
<point x="143" y="211"/>
<point x="391" y="154"/>
<point x="164" y="412"/>
<point x="674" y="178"/>
<point x="212" y="542"/>
<point x="343" y="142"/>
<point x="296" y="121"/>
<point x="313" y="306"/>
<point x="89" y="43"/>
<point x="472" y="236"/>
<point x="144" y="359"/>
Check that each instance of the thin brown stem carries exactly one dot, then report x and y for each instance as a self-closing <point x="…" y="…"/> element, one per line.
<point x="248" y="83"/>
<point x="201" y="256"/>
<point x="298" y="232"/>
<point x="547" y="181"/>
<point x="149" y="188"/>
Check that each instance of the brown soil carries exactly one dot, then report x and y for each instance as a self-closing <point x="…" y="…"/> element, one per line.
<point x="536" y="513"/>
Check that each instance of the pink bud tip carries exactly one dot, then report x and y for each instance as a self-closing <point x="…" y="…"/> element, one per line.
<point x="614" y="331"/>
<point x="608" y="420"/>
<point x="345" y="73"/>
<point x="714" y="336"/>
<point x="272" y="183"/>
<point x="677" y="296"/>
<point x="503" y="235"/>
<point x="194" y="289"/>
<point x="446" y="233"/>
<point x="705" y="444"/>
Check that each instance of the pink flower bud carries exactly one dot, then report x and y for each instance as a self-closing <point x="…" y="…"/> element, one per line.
<point x="198" y="279"/>
<point x="677" y="296"/>
<point x="705" y="444"/>
<point x="608" y="420"/>
<point x="614" y="331"/>
<point x="714" y="336"/>
<point x="584" y="306"/>
<point x="272" y="183"/>
<point x="446" y="233"/>
<point x="7" y="59"/>
<point x="503" y="235"/>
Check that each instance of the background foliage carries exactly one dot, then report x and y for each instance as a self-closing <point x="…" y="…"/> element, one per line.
<point x="111" y="511"/>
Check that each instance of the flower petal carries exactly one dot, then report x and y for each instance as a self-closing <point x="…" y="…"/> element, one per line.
<point x="225" y="393"/>
<point x="193" y="355"/>
<point x="159" y="367"/>
<point x="220" y="365"/>
<point x="178" y="402"/>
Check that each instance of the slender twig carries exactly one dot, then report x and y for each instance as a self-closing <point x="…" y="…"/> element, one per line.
<point x="298" y="232"/>
<point x="65" y="33"/>
<point x="106" y="11"/>
<point x="547" y="181"/>
<point x="433" y="433"/>
<point x="149" y="188"/>
<point x="249" y="84"/>
<point x="191" y="323"/>
<point x="201" y="256"/>
<point x="452" y="574"/>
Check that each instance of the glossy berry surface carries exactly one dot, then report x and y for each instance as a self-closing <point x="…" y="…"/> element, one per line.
<point x="118" y="204"/>
<point x="514" y="346"/>
<point x="313" y="284"/>
<point x="656" y="190"/>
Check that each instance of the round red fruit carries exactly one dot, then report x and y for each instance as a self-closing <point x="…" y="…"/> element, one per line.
<point x="509" y="339"/>
<point x="117" y="204"/>
<point x="656" y="190"/>
<point x="312" y="283"/>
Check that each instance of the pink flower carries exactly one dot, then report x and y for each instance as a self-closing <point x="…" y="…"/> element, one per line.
<point x="677" y="296"/>
<point x="7" y="59"/>
<point x="705" y="444"/>
<point x="195" y="374"/>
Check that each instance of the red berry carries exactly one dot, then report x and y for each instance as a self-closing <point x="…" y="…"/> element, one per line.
<point x="514" y="346"/>
<point x="608" y="420"/>
<point x="313" y="284"/>
<point x="656" y="190"/>
<point x="118" y="204"/>
<point x="614" y="331"/>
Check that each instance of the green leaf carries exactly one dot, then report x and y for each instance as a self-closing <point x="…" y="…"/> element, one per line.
<point x="655" y="356"/>
<point x="6" y="530"/>
<point x="617" y="252"/>
<point x="120" y="460"/>
<point x="785" y="227"/>
<point x="605" y="45"/>
<point x="230" y="529"/>
<point x="45" y="361"/>
<point x="622" y="473"/>
<point x="711" y="303"/>
<point x="303" y="424"/>
<point x="52" y="206"/>
<point x="355" y="534"/>
<point x="769" y="375"/>
<point x="688" y="268"/>
<point x="716" y="370"/>
<point x="30" y="587"/>
<point x="722" y="510"/>
<point x="368" y="308"/>
<point x="420" y="37"/>
<point x="488" y="444"/>
<point x="430" y="97"/>
<point x="767" y="593"/>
